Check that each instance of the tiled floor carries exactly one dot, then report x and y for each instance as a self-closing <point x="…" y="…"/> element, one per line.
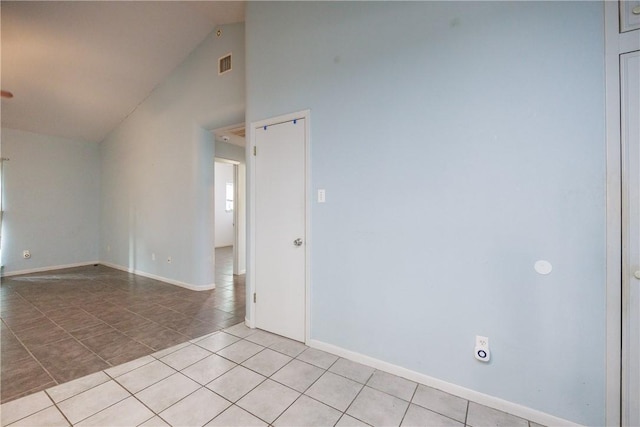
<point x="65" y="324"/>
<point x="245" y="377"/>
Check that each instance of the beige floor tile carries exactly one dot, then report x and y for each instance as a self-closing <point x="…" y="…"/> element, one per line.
<point x="197" y="409"/>
<point x="240" y="330"/>
<point x="268" y="400"/>
<point x="264" y="338"/>
<point x="349" y="421"/>
<point x="208" y="369"/>
<point x="67" y="390"/>
<point x="377" y="408"/>
<point x="481" y="416"/>
<point x="128" y="412"/>
<point x="154" y="422"/>
<point x="236" y="417"/>
<point x="308" y="412"/>
<point x="319" y="358"/>
<point x="240" y="351"/>
<point x="352" y="370"/>
<point x="334" y="390"/>
<point x="165" y="393"/>
<point x="443" y="403"/>
<point x="267" y="362"/>
<point x="92" y="401"/>
<point x="185" y="356"/>
<point x="20" y="408"/>
<point x="289" y="347"/>
<point x="162" y="353"/>
<point x="417" y="416"/>
<point x="195" y="340"/>
<point x="50" y="417"/>
<point x="122" y="369"/>
<point x="393" y="385"/>
<point x="143" y="377"/>
<point x="298" y="375"/>
<point x="236" y="383"/>
<point x="217" y="341"/>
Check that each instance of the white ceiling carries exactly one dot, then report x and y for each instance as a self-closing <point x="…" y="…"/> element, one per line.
<point x="77" y="68"/>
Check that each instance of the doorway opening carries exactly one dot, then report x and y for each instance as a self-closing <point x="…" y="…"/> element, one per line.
<point x="225" y="221"/>
<point x="229" y="207"/>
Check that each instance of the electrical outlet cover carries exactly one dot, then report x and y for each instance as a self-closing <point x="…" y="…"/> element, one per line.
<point x="482" y="342"/>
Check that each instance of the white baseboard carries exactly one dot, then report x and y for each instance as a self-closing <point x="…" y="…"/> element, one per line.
<point x="472" y="395"/>
<point x="160" y="278"/>
<point x="49" y="268"/>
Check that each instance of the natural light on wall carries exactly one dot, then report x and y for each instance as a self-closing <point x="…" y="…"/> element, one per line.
<point x="229" y="197"/>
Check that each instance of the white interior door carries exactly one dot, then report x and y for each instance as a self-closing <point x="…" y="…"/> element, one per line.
<point x="280" y="243"/>
<point x="630" y="133"/>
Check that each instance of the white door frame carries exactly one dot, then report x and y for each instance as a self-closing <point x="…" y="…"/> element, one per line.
<point x="613" y="217"/>
<point x="616" y="43"/>
<point x="250" y="320"/>
<point x="238" y="220"/>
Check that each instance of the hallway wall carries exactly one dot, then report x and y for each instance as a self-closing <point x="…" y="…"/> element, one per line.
<point x="157" y="187"/>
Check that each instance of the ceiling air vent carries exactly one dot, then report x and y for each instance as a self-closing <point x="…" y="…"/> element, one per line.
<point x="224" y="64"/>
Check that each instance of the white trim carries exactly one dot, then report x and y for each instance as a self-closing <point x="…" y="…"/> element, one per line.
<point x="250" y="311"/>
<point x="613" y="285"/>
<point x="117" y="267"/>
<point x="465" y="393"/>
<point x="228" y="161"/>
<point x="160" y="278"/>
<point x="49" y="268"/>
<point x="308" y="237"/>
<point x="251" y="195"/>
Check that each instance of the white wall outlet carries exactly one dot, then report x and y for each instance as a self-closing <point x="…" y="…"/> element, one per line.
<point x="482" y="341"/>
<point x="26" y="254"/>
<point x="169" y="260"/>
<point x="322" y="196"/>
<point x="153" y="256"/>
<point x="481" y="351"/>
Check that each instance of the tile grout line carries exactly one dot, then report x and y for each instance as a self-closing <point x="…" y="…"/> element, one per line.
<point x="70" y="335"/>
<point x="415" y="390"/>
<point x="466" y="413"/>
<point x="32" y="356"/>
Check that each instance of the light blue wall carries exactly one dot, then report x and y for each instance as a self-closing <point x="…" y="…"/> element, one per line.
<point x="157" y="166"/>
<point x="458" y="144"/>
<point x="51" y="201"/>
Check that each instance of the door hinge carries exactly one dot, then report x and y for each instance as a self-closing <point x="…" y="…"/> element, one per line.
<point x="254" y="297"/>
<point x="254" y="150"/>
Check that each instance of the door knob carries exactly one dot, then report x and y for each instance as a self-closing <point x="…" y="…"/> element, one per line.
<point x="297" y="242"/>
<point x="637" y="274"/>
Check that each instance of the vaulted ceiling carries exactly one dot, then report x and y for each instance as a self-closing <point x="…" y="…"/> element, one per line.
<point x="77" y="69"/>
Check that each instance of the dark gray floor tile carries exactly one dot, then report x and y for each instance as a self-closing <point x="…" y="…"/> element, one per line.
<point x="81" y="320"/>
<point x="21" y="376"/>
<point x="68" y="359"/>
